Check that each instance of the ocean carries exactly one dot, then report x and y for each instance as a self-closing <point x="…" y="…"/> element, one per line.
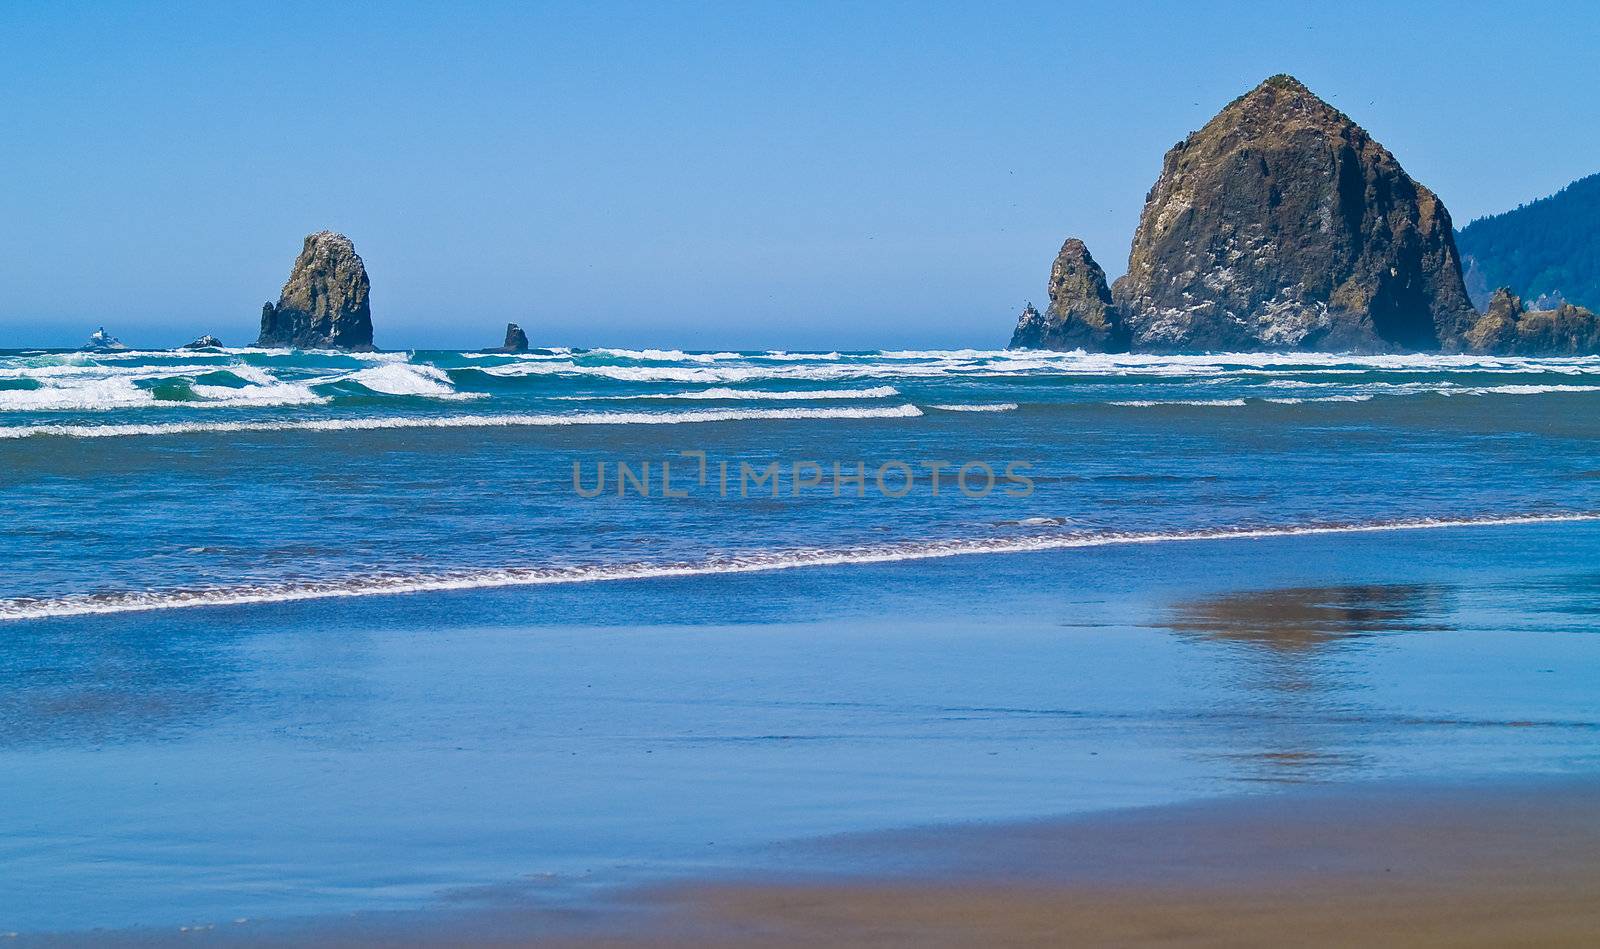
<point x="288" y="634"/>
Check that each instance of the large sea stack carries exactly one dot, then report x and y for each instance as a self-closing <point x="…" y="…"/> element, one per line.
<point x="324" y="305"/>
<point x="1281" y="225"/>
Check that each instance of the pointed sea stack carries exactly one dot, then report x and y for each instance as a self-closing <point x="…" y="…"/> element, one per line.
<point x="324" y="305"/>
<point x="1081" y="314"/>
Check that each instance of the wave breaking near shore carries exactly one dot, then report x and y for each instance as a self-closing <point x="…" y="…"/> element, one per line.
<point x="514" y="420"/>
<point x="26" y="608"/>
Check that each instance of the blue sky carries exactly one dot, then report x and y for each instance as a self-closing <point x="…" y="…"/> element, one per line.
<point x="853" y="175"/>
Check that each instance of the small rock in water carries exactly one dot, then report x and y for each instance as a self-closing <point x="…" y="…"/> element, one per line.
<point x="101" y="341"/>
<point x="204" y="342"/>
<point x="516" y="339"/>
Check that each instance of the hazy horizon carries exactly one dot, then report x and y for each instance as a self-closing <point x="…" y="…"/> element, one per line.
<point x="724" y="177"/>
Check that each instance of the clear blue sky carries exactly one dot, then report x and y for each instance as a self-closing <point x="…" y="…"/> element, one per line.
<point x="711" y="175"/>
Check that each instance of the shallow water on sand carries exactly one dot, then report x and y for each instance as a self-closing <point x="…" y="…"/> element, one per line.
<point x="194" y="767"/>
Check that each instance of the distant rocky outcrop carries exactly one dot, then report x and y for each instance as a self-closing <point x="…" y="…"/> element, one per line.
<point x="100" y="341"/>
<point x="1080" y="315"/>
<point x="204" y="342"/>
<point x="516" y="339"/>
<point x="1507" y="329"/>
<point x="1280" y="225"/>
<point x="324" y="304"/>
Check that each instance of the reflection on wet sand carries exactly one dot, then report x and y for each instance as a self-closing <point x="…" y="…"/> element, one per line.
<point x="1303" y="619"/>
<point x="1297" y="704"/>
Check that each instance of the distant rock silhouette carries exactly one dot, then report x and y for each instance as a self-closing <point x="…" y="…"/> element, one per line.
<point x="204" y="342"/>
<point x="324" y="304"/>
<point x="516" y="339"/>
<point x="100" y="341"/>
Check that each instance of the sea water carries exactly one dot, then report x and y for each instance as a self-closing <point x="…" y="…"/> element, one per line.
<point x="304" y="633"/>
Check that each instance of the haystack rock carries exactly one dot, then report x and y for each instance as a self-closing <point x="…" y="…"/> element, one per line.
<point x="1080" y="315"/>
<point x="324" y="305"/>
<point x="1507" y="329"/>
<point x="1282" y="225"/>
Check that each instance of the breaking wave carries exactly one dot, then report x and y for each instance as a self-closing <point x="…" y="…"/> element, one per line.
<point x="981" y="407"/>
<point x="792" y="395"/>
<point x="459" y="421"/>
<point x="1148" y="403"/>
<point x="24" y="608"/>
<point x="407" y="379"/>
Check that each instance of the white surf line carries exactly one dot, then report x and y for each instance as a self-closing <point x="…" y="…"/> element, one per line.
<point x="977" y="407"/>
<point x="459" y="421"/>
<point x="89" y="605"/>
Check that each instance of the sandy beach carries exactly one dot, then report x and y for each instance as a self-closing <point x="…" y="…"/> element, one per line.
<point x="1373" y="865"/>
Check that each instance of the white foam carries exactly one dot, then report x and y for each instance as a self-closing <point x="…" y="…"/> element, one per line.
<point x="23" y="608"/>
<point x="666" y="355"/>
<point x="1323" y="398"/>
<point x="260" y="396"/>
<point x="459" y="421"/>
<point x="1520" y="390"/>
<point x="1148" y="403"/>
<point x="76" y="395"/>
<point x="404" y="379"/>
<point x="794" y="395"/>
<point x="982" y="407"/>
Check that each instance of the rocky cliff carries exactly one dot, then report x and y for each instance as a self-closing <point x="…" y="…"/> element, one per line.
<point x="1282" y="225"/>
<point x="1080" y="315"/>
<point x="324" y="304"/>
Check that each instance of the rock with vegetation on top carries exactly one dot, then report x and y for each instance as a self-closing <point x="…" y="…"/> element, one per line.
<point x="1280" y="225"/>
<point x="324" y="304"/>
<point x="1283" y="225"/>
<point x="1080" y="315"/>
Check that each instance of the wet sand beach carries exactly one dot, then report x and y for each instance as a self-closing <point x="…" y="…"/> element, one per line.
<point x="1382" y="738"/>
<point x="1373" y="865"/>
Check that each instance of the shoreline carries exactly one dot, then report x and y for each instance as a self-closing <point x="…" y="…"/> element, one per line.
<point x="25" y="609"/>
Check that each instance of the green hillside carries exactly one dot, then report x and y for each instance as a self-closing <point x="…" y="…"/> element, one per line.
<point x="1550" y="246"/>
